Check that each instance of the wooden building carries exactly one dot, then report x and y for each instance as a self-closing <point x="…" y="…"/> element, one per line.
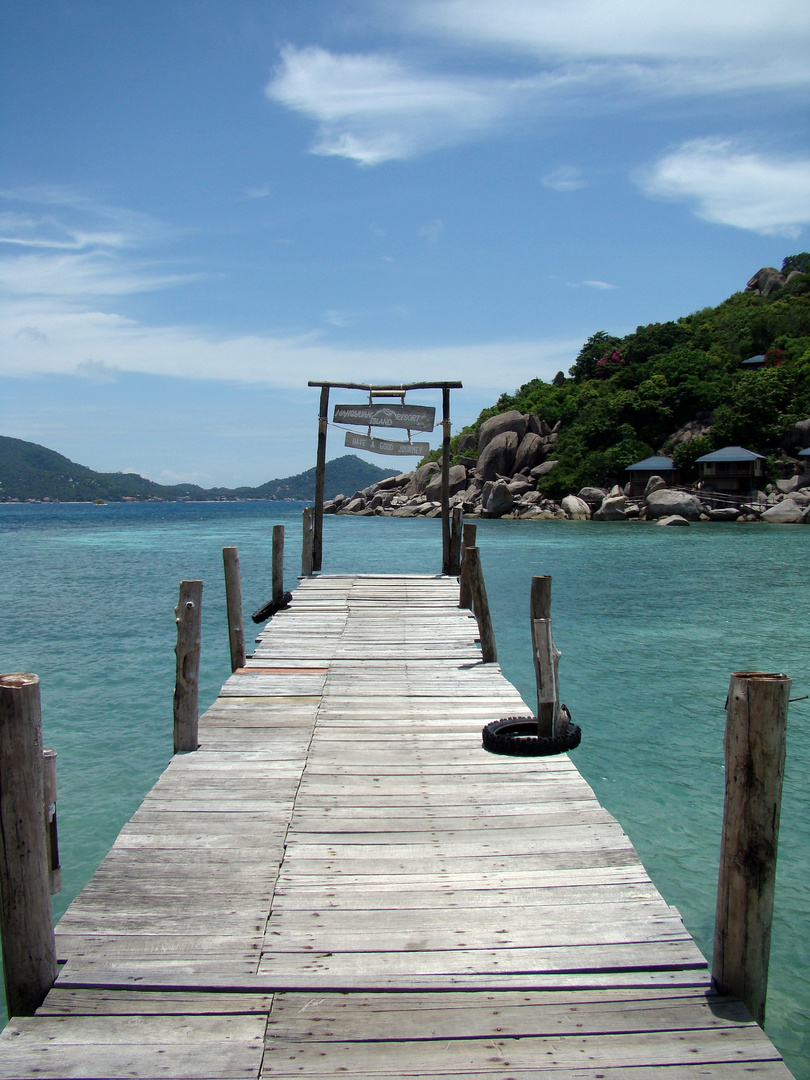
<point x="733" y="470"/>
<point x="641" y="472"/>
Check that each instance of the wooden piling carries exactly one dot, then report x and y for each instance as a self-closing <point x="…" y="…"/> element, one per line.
<point x="457" y="517"/>
<point x="756" y="723"/>
<point x="26" y="923"/>
<point x="233" y="601"/>
<point x="51" y="830"/>
<point x="278" y="564"/>
<point x="447" y="566"/>
<point x="546" y="659"/>
<point x="320" y="479"/>
<point x="468" y="541"/>
<point x="489" y="652"/>
<point x="188" y="616"/>
<point x="306" y="547"/>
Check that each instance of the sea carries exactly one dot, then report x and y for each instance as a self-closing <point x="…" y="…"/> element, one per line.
<point x="650" y="621"/>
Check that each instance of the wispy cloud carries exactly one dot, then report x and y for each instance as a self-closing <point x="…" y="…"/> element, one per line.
<point x="602" y="286"/>
<point x="59" y="247"/>
<point x="573" y="56"/>
<point x="564" y="178"/>
<point x="730" y="185"/>
<point x="373" y="108"/>
<point x="769" y="41"/>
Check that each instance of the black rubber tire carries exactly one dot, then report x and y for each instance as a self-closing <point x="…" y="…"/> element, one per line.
<point x="517" y="736"/>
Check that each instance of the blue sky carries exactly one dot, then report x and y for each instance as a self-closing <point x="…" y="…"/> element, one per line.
<point x="205" y="203"/>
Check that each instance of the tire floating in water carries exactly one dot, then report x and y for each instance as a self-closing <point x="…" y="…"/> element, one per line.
<point x="517" y="736"/>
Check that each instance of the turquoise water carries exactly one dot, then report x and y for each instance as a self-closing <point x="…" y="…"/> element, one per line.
<point x="650" y="622"/>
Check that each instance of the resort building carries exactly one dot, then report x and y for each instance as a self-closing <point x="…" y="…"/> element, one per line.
<point x="732" y="470"/>
<point x="641" y="472"/>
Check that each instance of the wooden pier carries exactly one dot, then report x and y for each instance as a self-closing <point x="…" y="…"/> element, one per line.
<point x="340" y="881"/>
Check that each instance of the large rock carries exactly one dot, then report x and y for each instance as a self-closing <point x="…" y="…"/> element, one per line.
<point x="532" y="451"/>
<point x="389" y="482"/>
<point x="673" y="519"/>
<point x="498" y="458"/>
<point x="521" y="486"/>
<point x="421" y="478"/>
<point x="665" y="502"/>
<point x="766" y="281"/>
<point x="467" y="441"/>
<point x="544" y="469"/>
<point x="538" y="426"/>
<point x="458" y="482"/>
<point x="786" y="512"/>
<point x="799" y="435"/>
<point x="613" y="508"/>
<point x="575" y="508"/>
<point x="593" y="496"/>
<point x="496" y="425"/>
<point x="499" y="500"/>
<point x="353" y="506"/>
<point x="655" y="483"/>
<point x="722" y="513"/>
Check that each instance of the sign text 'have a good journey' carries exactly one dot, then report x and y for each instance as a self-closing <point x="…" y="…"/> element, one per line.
<point x="410" y="417"/>
<point x="387" y="446"/>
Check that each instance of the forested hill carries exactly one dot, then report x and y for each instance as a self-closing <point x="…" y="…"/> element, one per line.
<point x="678" y="388"/>
<point x="30" y="471"/>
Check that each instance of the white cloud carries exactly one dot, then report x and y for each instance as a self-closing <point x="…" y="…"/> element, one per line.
<point x="729" y="185"/>
<point x="374" y="108"/>
<point x="574" y="56"/>
<point x="591" y="284"/>
<point x="564" y="178"/>
<point x="763" y="37"/>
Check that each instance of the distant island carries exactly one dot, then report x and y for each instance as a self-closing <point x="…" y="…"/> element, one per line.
<point x="33" y="473"/>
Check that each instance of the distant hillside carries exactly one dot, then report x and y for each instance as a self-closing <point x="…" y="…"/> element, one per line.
<point x="30" y="471"/>
<point x="678" y="388"/>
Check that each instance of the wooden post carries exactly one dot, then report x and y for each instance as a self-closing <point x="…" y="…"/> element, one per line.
<point x="320" y="477"/>
<point x="188" y="616"/>
<point x="29" y="950"/>
<point x="756" y="723"/>
<point x="447" y="567"/>
<point x="233" y="601"/>
<point x="306" y="548"/>
<point x="550" y="720"/>
<point x="51" y="831"/>
<point x="278" y="564"/>
<point x="489" y="652"/>
<point x="464" y="593"/>
<point x="455" y="540"/>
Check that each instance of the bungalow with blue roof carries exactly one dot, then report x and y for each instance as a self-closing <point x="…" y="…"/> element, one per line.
<point x="732" y="470"/>
<point x="805" y="460"/>
<point x="641" y="472"/>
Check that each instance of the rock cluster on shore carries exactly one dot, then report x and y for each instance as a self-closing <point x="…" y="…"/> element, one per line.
<point x="517" y="450"/>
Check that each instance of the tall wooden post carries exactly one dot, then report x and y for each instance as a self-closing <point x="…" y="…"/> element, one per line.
<point x="26" y="923"/>
<point x="51" y="829"/>
<point x="546" y="658"/>
<point x="188" y="617"/>
<point x="464" y="592"/>
<point x="320" y="478"/>
<point x="306" y="545"/>
<point x="756" y="723"/>
<point x="447" y="566"/>
<point x="455" y="540"/>
<point x="278" y="564"/>
<point x="489" y="652"/>
<point x="233" y="602"/>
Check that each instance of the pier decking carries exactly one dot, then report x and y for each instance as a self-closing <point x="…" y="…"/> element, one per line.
<point x="342" y="882"/>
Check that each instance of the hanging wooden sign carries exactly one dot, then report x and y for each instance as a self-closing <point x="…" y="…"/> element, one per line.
<point x="410" y="417"/>
<point x="386" y="446"/>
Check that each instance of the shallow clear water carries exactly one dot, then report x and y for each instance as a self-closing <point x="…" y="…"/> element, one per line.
<point x="650" y="622"/>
